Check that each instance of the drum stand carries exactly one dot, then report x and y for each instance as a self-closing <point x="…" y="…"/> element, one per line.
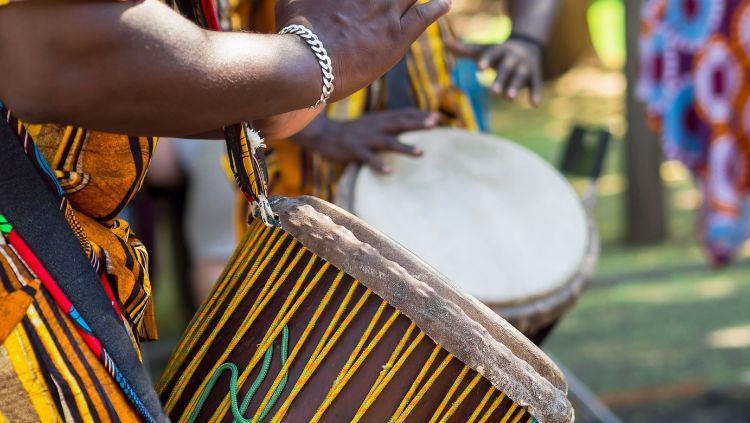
<point x="583" y="158"/>
<point x="587" y="406"/>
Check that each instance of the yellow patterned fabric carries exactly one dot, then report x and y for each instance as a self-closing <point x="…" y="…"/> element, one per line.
<point x="295" y="171"/>
<point x="47" y="373"/>
<point x="100" y="173"/>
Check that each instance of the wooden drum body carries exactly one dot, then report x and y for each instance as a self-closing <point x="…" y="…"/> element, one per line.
<point x="325" y="319"/>
<point x="494" y="218"/>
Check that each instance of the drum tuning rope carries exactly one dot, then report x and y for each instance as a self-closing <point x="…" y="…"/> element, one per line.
<point x="239" y="411"/>
<point x="427" y="385"/>
<point x="389" y="370"/>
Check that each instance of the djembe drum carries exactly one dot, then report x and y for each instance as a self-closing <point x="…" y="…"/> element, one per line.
<point x="490" y="215"/>
<point x="325" y="319"/>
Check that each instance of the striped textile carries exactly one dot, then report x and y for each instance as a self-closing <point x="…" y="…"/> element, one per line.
<point x="97" y="175"/>
<point x="273" y="289"/>
<point x="47" y="373"/>
<point x="24" y="257"/>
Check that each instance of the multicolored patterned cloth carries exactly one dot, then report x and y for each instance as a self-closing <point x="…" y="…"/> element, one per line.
<point x="694" y="59"/>
<point x="62" y="370"/>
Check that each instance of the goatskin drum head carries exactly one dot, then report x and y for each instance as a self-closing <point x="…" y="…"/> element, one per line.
<point x="490" y="215"/>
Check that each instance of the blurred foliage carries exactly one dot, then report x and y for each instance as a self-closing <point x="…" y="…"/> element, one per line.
<point x="607" y="25"/>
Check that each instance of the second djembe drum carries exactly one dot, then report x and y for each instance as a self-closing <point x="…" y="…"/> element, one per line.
<point x="492" y="216"/>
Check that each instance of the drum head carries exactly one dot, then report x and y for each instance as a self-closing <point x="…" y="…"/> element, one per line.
<point x="493" y="217"/>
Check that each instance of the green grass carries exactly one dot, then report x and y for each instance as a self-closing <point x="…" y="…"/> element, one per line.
<point x="658" y="332"/>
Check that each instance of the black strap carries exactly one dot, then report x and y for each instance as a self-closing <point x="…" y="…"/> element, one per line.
<point x="34" y="213"/>
<point x="398" y="87"/>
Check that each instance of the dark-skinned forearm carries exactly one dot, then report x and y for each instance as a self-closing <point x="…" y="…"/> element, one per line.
<point x="533" y="18"/>
<point x="141" y="69"/>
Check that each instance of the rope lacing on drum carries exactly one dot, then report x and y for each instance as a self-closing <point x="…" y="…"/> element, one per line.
<point x="238" y="411"/>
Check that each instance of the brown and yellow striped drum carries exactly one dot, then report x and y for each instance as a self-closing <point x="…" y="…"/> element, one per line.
<point x="326" y="319"/>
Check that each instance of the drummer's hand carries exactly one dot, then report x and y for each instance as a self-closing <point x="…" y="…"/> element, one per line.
<point x="359" y="140"/>
<point x="518" y="64"/>
<point x="364" y="38"/>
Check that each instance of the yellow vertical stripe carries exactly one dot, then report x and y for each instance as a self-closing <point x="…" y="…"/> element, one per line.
<point x="75" y="150"/>
<point x="29" y="374"/>
<point x="66" y="135"/>
<point x="57" y="359"/>
<point x="333" y="108"/>
<point x="423" y="77"/>
<point x="437" y="48"/>
<point x="32" y="130"/>
<point x="510" y="412"/>
<point x="519" y="417"/>
<point x="349" y="108"/>
<point x="467" y="111"/>
<point x="416" y="84"/>
<point x="357" y="104"/>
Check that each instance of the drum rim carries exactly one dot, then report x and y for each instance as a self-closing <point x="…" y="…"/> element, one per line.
<point x="401" y="278"/>
<point x="543" y="310"/>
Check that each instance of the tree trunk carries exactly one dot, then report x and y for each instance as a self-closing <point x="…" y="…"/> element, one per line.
<point x="644" y="200"/>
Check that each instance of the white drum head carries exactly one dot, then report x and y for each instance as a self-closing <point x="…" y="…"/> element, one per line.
<point x="493" y="217"/>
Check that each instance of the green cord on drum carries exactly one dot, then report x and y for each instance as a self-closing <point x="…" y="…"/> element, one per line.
<point x="239" y="411"/>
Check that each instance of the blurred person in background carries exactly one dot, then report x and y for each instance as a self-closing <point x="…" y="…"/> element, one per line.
<point x="694" y="63"/>
<point x="195" y="178"/>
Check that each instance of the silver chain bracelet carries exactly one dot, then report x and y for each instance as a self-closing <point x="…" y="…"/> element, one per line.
<point x="323" y="60"/>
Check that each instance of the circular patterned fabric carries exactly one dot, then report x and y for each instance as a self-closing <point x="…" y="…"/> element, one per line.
<point x="693" y="79"/>
<point x="717" y="79"/>
<point x="656" y="67"/>
<point x="685" y="134"/>
<point x="740" y="31"/>
<point x="692" y="22"/>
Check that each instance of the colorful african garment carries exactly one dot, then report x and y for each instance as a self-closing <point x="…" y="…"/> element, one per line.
<point x="694" y="56"/>
<point x="429" y="67"/>
<point x="49" y="352"/>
